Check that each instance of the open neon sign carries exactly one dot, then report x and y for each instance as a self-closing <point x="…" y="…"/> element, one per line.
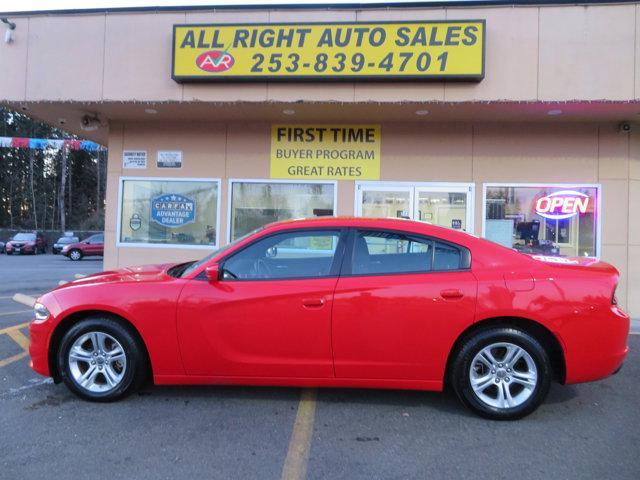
<point x="562" y="204"/>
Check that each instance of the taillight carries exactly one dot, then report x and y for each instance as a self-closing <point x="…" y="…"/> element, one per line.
<point x="614" y="300"/>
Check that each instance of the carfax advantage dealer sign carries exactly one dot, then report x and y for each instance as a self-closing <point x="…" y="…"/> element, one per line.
<point x="330" y="51"/>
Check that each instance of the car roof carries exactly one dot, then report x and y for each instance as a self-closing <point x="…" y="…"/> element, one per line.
<point x="390" y="223"/>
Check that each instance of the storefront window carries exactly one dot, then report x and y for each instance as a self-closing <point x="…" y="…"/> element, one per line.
<point x="254" y="204"/>
<point x="169" y="212"/>
<point x="544" y="220"/>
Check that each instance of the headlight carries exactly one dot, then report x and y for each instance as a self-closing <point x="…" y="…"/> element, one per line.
<point x="64" y="249"/>
<point x="41" y="313"/>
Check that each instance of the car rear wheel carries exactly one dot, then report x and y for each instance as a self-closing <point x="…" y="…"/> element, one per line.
<point x="100" y="360"/>
<point x="75" y="255"/>
<point x="501" y="373"/>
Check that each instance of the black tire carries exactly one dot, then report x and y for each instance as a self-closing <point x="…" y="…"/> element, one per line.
<point x="72" y="253"/>
<point x="134" y="373"/>
<point x="460" y="378"/>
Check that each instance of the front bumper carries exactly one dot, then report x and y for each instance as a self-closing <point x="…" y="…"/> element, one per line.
<point x="39" y="347"/>
<point x="22" y="249"/>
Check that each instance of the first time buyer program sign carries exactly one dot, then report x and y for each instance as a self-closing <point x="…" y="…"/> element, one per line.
<point x="344" y="152"/>
<point x="330" y="51"/>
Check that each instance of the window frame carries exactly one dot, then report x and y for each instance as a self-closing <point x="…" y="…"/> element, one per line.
<point x="231" y="181"/>
<point x="334" y="271"/>
<point x="121" y="181"/>
<point x="347" y="262"/>
<point x="414" y="188"/>
<point x="597" y="186"/>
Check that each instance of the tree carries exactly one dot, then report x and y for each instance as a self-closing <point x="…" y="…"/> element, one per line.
<point x="40" y="188"/>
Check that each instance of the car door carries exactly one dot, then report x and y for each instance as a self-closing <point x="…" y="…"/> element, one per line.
<point x="270" y="313"/>
<point x="399" y="305"/>
<point x="95" y="245"/>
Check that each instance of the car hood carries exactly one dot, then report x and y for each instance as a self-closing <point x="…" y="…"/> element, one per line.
<point x="144" y="273"/>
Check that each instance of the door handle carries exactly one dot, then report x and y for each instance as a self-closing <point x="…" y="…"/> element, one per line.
<point x="313" y="302"/>
<point x="451" y="293"/>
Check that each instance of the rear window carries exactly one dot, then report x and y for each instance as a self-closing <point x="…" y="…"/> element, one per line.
<point x="67" y="240"/>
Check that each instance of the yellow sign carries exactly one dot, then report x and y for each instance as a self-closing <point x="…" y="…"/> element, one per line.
<point x="334" y="51"/>
<point x="346" y="152"/>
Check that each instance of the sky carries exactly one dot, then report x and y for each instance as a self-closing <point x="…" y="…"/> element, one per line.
<point x="35" y="5"/>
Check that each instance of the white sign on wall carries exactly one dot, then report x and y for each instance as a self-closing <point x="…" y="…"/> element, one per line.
<point x="169" y="159"/>
<point x="134" y="159"/>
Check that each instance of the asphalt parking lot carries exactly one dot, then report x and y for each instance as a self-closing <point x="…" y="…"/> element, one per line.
<point x="583" y="431"/>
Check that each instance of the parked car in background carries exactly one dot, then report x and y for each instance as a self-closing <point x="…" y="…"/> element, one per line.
<point x="26" y="242"/>
<point x="94" y="245"/>
<point x="341" y="302"/>
<point x="62" y="241"/>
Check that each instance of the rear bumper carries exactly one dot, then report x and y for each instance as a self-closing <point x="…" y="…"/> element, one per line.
<point x="39" y="348"/>
<point x="596" y="346"/>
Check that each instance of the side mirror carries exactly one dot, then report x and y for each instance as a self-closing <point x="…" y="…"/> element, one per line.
<point x="213" y="273"/>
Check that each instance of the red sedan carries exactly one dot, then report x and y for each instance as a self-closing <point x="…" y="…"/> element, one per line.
<point x="335" y="302"/>
<point x="94" y="245"/>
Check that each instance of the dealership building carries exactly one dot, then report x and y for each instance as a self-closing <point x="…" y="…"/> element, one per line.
<point x="510" y="120"/>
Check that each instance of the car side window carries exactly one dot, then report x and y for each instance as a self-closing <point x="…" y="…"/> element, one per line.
<point x="447" y="257"/>
<point x="94" y="239"/>
<point x="288" y="255"/>
<point x="383" y="252"/>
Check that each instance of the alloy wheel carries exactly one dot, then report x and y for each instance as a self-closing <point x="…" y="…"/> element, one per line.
<point x="97" y="362"/>
<point x="503" y="375"/>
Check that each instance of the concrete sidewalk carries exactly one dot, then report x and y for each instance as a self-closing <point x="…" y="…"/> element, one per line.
<point x="635" y="326"/>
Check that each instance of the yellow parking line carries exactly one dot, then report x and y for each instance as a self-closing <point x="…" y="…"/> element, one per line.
<point x="14" y="327"/>
<point x="15" y="358"/>
<point x="20" y="338"/>
<point x="295" y="465"/>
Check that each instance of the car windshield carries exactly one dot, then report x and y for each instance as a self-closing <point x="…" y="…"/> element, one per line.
<point x="67" y="240"/>
<point x="183" y="270"/>
<point x="25" y="237"/>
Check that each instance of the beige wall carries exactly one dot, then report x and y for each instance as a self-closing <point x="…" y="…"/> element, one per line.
<point x="479" y="153"/>
<point x="546" y="53"/>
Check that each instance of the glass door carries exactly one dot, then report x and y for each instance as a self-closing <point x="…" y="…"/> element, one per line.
<point x="384" y="201"/>
<point x="447" y="205"/>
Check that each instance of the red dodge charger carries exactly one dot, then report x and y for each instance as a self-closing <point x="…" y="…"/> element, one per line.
<point x="341" y="302"/>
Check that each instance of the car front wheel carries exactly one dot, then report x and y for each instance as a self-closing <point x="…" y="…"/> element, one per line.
<point x="75" y="255"/>
<point x="100" y="360"/>
<point x="501" y="373"/>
